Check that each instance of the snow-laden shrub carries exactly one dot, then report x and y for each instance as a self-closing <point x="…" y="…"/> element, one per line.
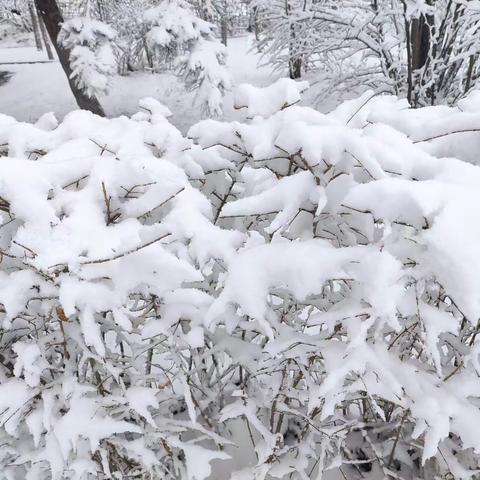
<point x="103" y="243"/>
<point x="91" y="55"/>
<point x="176" y="34"/>
<point x="359" y="290"/>
<point x="295" y="296"/>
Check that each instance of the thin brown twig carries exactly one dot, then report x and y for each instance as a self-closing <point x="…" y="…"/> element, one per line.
<point x="124" y="254"/>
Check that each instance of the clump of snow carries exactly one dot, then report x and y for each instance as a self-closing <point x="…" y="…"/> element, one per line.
<point x="91" y="55"/>
<point x="266" y="101"/>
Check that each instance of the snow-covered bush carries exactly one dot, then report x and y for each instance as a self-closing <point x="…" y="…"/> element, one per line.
<point x="360" y="288"/>
<point x="91" y="55"/>
<point x="102" y="249"/>
<point x="176" y="34"/>
<point x="293" y="296"/>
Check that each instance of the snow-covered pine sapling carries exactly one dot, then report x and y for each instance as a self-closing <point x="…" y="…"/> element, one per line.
<point x="177" y="35"/>
<point x="92" y="59"/>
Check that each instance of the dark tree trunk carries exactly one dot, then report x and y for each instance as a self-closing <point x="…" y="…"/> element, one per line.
<point x="224" y="21"/>
<point x="419" y="50"/>
<point x="471" y="66"/>
<point x="52" y="18"/>
<point x="295" y="60"/>
<point x="420" y="41"/>
<point x="224" y="29"/>
<point x="295" y="68"/>
<point x="256" y="23"/>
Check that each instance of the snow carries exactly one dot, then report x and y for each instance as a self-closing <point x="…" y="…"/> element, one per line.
<point x="301" y="187"/>
<point x="28" y="362"/>
<point x="266" y="101"/>
<point x="52" y="92"/>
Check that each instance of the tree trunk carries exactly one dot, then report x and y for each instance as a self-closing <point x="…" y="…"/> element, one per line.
<point x="256" y="23"/>
<point x="52" y="18"/>
<point x="224" y="21"/>
<point x="468" y="82"/>
<point x="295" y="68"/>
<point x="420" y="41"/>
<point x="36" y="30"/>
<point x="295" y="60"/>
<point x="224" y="29"/>
<point x="46" y="41"/>
<point x="148" y="54"/>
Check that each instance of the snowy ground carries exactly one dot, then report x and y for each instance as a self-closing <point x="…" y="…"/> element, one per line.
<point x="41" y="87"/>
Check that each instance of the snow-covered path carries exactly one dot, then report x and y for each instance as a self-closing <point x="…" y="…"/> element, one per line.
<point x="41" y="87"/>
